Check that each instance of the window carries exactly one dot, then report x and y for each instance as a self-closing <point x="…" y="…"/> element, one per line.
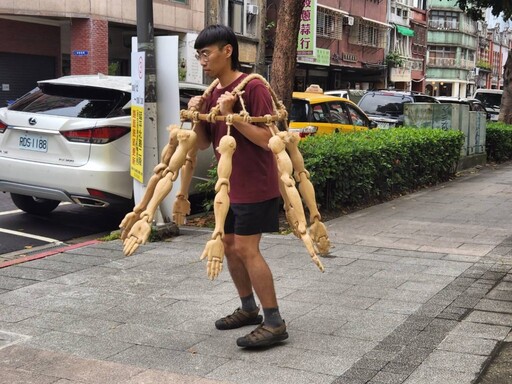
<point x="368" y="33"/>
<point x="337" y="113"/>
<point x="329" y="23"/>
<point x="356" y="116"/>
<point x="442" y="56"/>
<point x="444" y="19"/>
<point x="235" y="14"/>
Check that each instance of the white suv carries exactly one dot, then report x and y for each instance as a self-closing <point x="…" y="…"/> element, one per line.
<point x="68" y="140"/>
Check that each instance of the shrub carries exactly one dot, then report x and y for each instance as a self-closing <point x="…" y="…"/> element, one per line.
<point x="357" y="168"/>
<point x="498" y="142"/>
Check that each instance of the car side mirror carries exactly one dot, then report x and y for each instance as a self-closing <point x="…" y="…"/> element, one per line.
<point x="373" y="124"/>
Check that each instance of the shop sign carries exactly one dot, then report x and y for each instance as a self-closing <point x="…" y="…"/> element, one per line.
<point x="400" y="75"/>
<point x="349" y="57"/>
<point x="322" y="57"/>
<point x="307" y="30"/>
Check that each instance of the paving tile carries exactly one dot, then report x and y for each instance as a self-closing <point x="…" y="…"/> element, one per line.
<point x="11" y="283"/>
<point x="490" y="318"/>
<point x="468" y="345"/>
<point x="78" y="345"/>
<point x="461" y="362"/>
<point x="247" y="373"/>
<point x="167" y="359"/>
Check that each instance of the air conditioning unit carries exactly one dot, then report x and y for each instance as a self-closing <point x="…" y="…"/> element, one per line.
<point x="252" y="9"/>
<point x="349" y="20"/>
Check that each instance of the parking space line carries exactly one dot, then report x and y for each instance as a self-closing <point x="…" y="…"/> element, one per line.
<point x="10" y="212"/>
<point x="35" y="237"/>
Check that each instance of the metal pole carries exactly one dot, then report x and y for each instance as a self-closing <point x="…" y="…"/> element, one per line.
<point x="146" y="43"/>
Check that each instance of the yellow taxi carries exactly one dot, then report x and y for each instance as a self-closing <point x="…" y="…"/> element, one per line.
<point x="315" y="113"/>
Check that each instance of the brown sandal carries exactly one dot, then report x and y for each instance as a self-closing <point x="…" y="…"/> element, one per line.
<point x="263" y="336"/>
<point x="239" y="318"/>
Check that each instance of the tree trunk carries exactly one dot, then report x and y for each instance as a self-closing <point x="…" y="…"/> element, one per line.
<point x="506" y="100"/>
<point x="284" y="58"/>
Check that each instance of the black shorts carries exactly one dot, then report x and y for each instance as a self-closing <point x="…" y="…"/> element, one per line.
<point x="253" y="218"/>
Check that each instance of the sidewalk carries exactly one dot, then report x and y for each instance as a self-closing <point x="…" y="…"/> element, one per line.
<point x="417" y="290"/>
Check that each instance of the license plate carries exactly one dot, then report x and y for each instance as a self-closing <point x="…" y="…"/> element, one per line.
<point x="383" y="125"/>
<point x="33" y="143"/>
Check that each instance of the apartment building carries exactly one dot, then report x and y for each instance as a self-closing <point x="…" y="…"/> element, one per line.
<point x="49" y="38"/>
<point x="407" y="44"/>
<point x="452" y="48"/>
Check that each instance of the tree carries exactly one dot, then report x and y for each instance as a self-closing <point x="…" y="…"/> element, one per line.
<point x="284" y="56"/>
<point x="475" y="9"/>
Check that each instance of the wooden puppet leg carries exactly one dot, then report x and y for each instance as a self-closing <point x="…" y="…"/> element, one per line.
<point x="131" y="218"/>
<point x="291" y="196"/>
<point x="141" y="230"/>
<point x="317" y="229"/>
<point x="214" y="249"/>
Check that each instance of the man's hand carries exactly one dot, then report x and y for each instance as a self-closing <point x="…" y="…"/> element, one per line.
<point x="196" y="103"/>
<point x="226" y="103"/>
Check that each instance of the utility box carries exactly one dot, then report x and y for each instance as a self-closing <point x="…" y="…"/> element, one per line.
<point x="450" y="116"/>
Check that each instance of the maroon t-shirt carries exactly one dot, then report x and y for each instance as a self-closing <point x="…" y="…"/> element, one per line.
<point x="254" y="175"/>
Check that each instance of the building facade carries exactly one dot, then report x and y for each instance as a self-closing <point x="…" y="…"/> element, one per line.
<point x="48" y="38"/>
<point x="452" y="48"/>
<point x="418" y="45"/>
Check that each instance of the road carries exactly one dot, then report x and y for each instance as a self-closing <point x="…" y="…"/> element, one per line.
<point x="68" y="224"/>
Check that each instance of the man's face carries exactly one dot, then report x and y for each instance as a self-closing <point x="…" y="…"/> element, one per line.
<point x="214" y="59"/>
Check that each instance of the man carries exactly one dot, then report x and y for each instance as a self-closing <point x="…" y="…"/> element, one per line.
<point x="254" y="191"/>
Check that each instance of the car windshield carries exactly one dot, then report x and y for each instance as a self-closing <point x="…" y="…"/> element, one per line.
<point x="384" y="104"/>
<point x="71" y="101"/>
<point x="492" y="100"/>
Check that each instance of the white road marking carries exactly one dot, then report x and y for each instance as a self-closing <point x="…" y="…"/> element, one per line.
<point x="35" y="237"/>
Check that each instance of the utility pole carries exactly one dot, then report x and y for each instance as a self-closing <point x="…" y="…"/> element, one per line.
<point x="146" y="43"/>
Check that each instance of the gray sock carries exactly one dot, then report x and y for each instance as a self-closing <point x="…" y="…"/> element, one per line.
<point x="248" y="303"/>
<point x="272" y="317"/>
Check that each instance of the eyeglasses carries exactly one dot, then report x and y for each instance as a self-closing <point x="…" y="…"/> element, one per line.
<point x="203" y="55"/>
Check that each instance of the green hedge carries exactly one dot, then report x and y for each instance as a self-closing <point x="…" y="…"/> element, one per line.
<point x="353" y="169"/>
<point x="498" y="142"/>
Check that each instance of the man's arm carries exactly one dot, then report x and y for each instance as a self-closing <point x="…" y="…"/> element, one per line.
<point x="203" y="139"/>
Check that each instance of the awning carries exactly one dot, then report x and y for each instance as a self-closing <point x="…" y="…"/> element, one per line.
<point x="404" y="30"/>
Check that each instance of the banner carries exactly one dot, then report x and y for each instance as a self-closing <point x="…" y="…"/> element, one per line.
<point x="137" y="112"/>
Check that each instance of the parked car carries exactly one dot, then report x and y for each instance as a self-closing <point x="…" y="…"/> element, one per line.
<point x="353" y="95"/>
<point x="386" y="108"/>
<point x="317" y="113"/>
<point x="68" y="140"/>
<point x="491" y="98"/>
<point x="473" y="104"/>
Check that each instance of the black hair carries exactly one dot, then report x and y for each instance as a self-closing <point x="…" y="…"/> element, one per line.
<point x="221" y="35"/>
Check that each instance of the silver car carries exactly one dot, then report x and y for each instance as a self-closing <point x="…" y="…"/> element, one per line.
<point x="68" y="140"/>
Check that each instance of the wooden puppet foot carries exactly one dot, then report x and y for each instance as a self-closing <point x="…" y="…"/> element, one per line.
<point x="214" y="252"/>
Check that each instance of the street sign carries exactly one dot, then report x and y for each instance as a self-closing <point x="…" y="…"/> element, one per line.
<point x="81" y="52"/>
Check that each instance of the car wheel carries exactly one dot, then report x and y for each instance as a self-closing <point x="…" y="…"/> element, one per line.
<point x="34" y="205"/>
